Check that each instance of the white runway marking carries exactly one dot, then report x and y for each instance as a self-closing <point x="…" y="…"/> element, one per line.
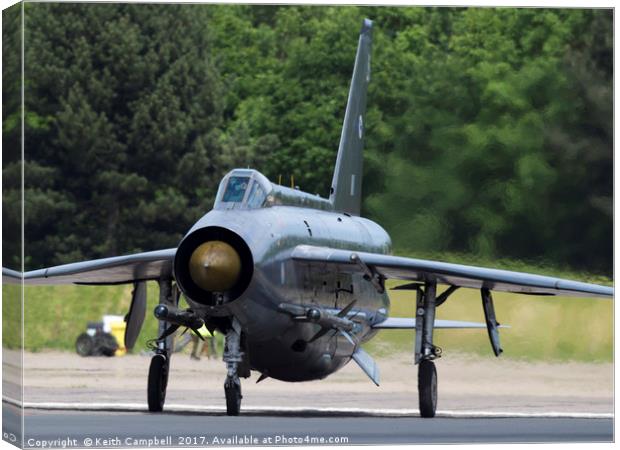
<point x="142" y="407"/>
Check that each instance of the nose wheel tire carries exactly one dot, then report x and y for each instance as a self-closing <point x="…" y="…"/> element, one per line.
<point x="232" y="390"/>
<point x="427" y="388"/>
<point x="158" y="381"/>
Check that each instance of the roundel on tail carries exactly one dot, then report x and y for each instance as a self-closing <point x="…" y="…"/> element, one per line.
<point x="360" y="126"/>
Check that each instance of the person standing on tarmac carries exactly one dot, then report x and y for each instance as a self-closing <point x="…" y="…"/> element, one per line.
<point x="208" y="346"/>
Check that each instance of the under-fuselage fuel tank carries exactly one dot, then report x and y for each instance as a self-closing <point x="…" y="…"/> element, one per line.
<point x="277" y="343"/>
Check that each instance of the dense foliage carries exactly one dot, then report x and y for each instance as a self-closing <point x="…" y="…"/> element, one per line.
<point x="489" y="130"/>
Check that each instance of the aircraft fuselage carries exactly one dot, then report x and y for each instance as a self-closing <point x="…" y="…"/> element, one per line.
<point x="275" y="341"/>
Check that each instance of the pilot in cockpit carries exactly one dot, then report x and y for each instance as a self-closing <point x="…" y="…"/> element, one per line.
<point x="243" y="189"/>
<point x="236" y="189"/>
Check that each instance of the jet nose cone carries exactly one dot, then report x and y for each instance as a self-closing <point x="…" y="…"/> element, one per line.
<point x="215" y="266"/>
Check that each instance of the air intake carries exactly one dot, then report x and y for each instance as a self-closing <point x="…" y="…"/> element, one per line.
<point x="213" y="265"/>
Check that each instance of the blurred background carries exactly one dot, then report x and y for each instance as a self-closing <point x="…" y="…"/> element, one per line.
<point x="489" y="141"/>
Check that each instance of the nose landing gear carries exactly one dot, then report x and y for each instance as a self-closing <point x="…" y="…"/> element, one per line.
<point x="232" y="390"/>
<point x="233" y="357"/>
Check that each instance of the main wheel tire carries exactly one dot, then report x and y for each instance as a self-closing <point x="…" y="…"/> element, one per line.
<point x="158" y="381"/>
<point x="84" y="345"/>
<point x="233" y="398"/>
<point x="427" y="388"/>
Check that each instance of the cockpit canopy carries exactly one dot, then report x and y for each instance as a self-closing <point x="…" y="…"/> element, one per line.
<point x="243" y="189"/>
<point x="250" y="189"/>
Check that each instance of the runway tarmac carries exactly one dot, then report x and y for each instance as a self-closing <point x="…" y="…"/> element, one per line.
<point x="104" y="429"/>
<point x="69" y="399"/>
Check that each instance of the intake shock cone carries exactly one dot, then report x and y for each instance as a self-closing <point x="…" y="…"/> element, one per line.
<point x="215" y="266"/>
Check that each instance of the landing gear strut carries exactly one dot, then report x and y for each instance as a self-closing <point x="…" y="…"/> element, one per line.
<point x="160" y="363"/>
<point x="425" y="351"/>
<point x="233" y="357"/>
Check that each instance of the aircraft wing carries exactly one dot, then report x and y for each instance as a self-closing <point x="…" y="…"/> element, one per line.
<point x="11" y="276"/>
<point x="116" y="270"/>
<point x="400" y="268"/>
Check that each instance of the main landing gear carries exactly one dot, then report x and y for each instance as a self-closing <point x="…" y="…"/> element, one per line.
<point x="158" y="382"/>
<point x="427" y="388"/>
<point x="425" y="351"/>
<point x="160" y="363"/>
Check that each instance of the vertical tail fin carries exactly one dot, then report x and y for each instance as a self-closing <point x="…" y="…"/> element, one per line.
<point x="346" y="189"/>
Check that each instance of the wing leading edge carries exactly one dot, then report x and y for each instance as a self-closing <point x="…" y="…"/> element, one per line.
<point x="396" y="267"/>
<point x="144" y="266"/>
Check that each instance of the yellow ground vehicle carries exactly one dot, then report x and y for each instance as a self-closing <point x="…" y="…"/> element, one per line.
<point x="102" y="338"/>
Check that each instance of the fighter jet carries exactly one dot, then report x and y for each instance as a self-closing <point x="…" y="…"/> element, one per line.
<point x="297" y="282"/>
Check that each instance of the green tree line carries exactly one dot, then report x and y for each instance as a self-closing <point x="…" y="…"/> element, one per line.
<point x="489" y="131"/>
